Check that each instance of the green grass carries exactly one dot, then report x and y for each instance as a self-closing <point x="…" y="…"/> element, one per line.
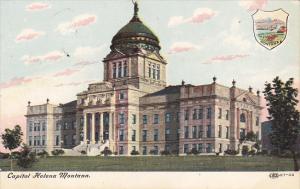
<point x="159" y="163"/>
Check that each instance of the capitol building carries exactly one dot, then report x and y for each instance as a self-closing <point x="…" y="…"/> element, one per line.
<point x="133" y="108"/>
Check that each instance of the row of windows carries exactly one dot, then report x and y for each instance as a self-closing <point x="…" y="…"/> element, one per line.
<point x="154" y="71"/>
<point x="120" y="69"/>
<point x="65" y="125"/>
<point x="37" y="140"/>
<point x="201" y="147"/>
<point x="37" y="127"/>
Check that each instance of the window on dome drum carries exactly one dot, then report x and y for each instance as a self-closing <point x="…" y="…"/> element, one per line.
<point x="125" y="69"/>
<point x="186" y="132"/>
<point x="220" y="113"/>
<point x="114" y="71"/>
<point x="121" y="118"/>
<point x="200" y="131"/>
<point x="121" y="135"/>
<point x="242" y="118"/>
<point x="120" y="69"/>
<point x="156" y="119"/>
<point x="145" y="120"/>
<point x="133" y="119"/>
<point x="155" y="135"/>
<point x="194" y="131"/>
<point x="144" y="135"/>
<point x="227" y="114"/>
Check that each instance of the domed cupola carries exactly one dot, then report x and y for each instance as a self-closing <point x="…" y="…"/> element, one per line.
<point x="134" y="35"/>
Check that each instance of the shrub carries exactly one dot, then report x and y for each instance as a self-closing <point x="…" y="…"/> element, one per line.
<point x="134" y="152"/>
<point x="83" y="152"/>
<point x="231" y="152"/>
<point x="153" y="152"/>
<point x="43" y="154"/>
<point x="245" y="150"/>
<point x="15" y="155"/>
<point x="4" y="155"/>
<point x="106" y="151"/>
<point x="26" y="158"/>
<point x="165" y="152"/>
<point x="251" y="152"/>
<point x="115" y="153"/>
<point x="57" y="152"/>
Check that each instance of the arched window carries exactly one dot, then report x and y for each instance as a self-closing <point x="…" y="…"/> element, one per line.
<point x="158" y="72"/>
<point x="114" y="70"/>
<point x="153" y="71"/>
<point x="120" y="69"/>
<point x="149" y="70"/>
<point x="242" y="118"/>
<point x="125" y="69"/>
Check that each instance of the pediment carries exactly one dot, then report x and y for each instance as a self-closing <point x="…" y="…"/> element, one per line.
<point x="115" y="55"/>
<point x="155" y="56"/>
<point x="245" y="97"/>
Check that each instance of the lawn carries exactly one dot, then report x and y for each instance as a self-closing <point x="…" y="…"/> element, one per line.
<point x="159" y="163"/>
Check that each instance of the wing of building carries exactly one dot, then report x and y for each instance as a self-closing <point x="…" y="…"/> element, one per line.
<point x="133" y="109"/>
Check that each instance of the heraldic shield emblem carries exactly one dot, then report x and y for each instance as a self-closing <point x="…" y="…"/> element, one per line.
<point x="270" y="27"/>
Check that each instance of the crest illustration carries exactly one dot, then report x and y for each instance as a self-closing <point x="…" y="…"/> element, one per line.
<point x="270" y="27"/>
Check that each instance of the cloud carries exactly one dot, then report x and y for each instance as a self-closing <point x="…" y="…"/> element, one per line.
<point x="85" y="63"/>
<point x="49" y="57"/>
<point x="200" y="15"/>
<point x="253" y="5"/>
<point x="224" y="58"/>
<point x="38" y="6"/>
<point x="66" y="72"/>
<point x="179" y="47"/>
<point x="28" y="34"/>
<point x="15" y="82"/>
<point x="77" y="22"/>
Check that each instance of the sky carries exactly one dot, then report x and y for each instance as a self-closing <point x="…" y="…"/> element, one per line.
<point x="199" y="40"/>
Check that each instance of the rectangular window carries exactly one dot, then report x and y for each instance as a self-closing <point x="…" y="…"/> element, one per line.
<point x="200" y="148"/>
<point x="144" y="150"/>
<point x="200" y="114"/>
<point x="185" y="148"/>
<point x="133" y="119"/>
<point x="186" y="132"/>
<point x="194" y="146"/>
<point x="114" y="71"/>
<point x="155" y="135"/>
<point x="133" y="137"/>
<point x="177" y="116"/>
<point x="57" y="140"/>
<point x="30" y="140"/>
<point x="73" y="139"/>
<point x="144" y="134"/>
<point x="168" y="117"/>
<point x="220" y="148"/>
<point x="167" y="148"/>
<point x="155" y="150"/>
<point x="145" y="120"/>
<point x="208" y="132"/>
<point x="121" y="118"/>
<point x="242" y="133"/>
<point x="208" y="116"/>
<point x="57" y="126"/>
<point x="34" y="141"/>
<point x="195" y="114"/>
<point x="220" y="131"/>
<point x="38" y="140"/>
<point x="157" y="72"/>
<point x="156" y="119"/>
<point x="167" y="134"/>
<point x="121" y="150"/>
<point x="227" y="114"/>
<point x="220" y="113"/>
<point x="149" y="70"/>
<point x="120" y="69"/>
<point x="134" y="148"/>
<point x="186" y="114"/>
<point x="30" y="127"/>
<point x="65" y="139"/>
<point x="122" y="95"/>
<point x="43" y="140"/>
<point x="121" y="135"/>
<point x="194" y="131"/>
<point x="178" y="134"/>
<point x="257" y="121"/>
<point x="208" y="148"/>
<point x="227" y="132"/>
<point x="200" y="131"/>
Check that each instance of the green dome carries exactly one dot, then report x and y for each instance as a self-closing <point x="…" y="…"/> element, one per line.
<point x="135" y="33"/>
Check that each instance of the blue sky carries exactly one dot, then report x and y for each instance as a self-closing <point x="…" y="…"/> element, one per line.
<point x="37" y="35"/>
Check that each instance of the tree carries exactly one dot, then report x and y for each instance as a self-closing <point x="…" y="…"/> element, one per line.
<point x="282" y="102"/>
<point x="12" y="140"/>
<point x="26" y="158"/>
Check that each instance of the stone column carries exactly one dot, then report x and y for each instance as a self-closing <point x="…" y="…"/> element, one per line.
<point x="101" y="127"/>
<point x="85" y="128"/>
<point x="93" y="129"/>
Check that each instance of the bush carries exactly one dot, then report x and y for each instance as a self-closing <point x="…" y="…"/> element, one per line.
<point x="57" y="152"/>
<point x="15" y="155"/>
<point x="252" y="152"/>
<point x="26" y="158"/>
<point x="153" y="152"/>
<point x="134" y="152"/>
<point x="245" y="150"/>
<point x="43" y="154"/>
<point x="106" y="151"/>
<point x="231" y="152"/>
<point x="83" y="152"/>
<point x="165" y="153"/>
<point x="4" y="155"/>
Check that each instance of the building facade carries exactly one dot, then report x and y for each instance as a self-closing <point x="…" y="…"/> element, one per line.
<point x="133" y="109"/>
